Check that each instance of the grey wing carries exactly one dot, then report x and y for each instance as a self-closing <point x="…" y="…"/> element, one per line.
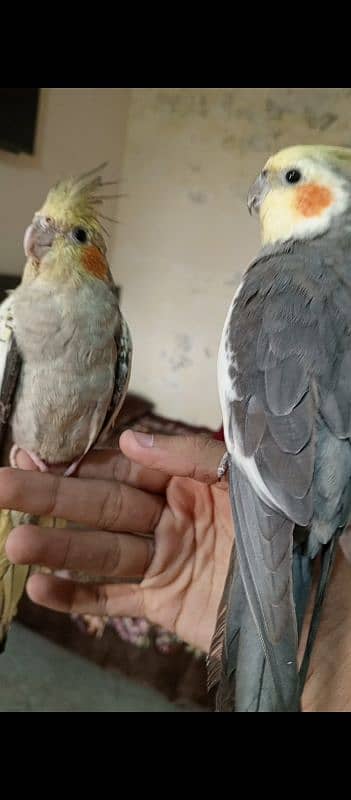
<point x="124" y="350"/>
<point x="10" y="366"/>
<point x="274" y="344"/>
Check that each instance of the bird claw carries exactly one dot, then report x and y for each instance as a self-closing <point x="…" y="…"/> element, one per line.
<point x="37" y="461"/>
<point x="72" y="468"/>
<point x="223" y="466"/>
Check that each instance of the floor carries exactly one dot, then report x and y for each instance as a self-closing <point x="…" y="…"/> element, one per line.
<point x="38" y="675"/>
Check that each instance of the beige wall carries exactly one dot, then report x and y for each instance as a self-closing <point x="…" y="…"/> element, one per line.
<point x="186" y="235"/>
<point x="77" y="129"/>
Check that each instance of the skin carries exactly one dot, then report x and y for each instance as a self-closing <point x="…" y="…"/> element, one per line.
<point x="156" y="511"/>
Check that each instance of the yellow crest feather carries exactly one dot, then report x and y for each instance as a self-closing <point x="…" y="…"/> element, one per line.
<point x="76" y="200"/>
<point x="339" y="156"/>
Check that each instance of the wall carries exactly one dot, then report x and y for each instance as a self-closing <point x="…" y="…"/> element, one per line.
<point x="77" y="130"/>
<point x="185" y="235"/>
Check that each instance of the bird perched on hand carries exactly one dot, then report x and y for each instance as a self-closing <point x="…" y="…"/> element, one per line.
<point x="65" y="348"/>
<point x="284" y="377"/>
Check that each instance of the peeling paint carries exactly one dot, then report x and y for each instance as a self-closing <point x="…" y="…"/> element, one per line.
<point x="197" y="196"/>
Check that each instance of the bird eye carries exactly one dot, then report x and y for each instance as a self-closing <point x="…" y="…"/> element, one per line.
<point x="80" y="235"/>
<point x="293" y="176"/>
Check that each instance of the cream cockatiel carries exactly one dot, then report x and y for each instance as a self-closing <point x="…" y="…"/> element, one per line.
<point x="65" y="348"/>
<point x="284" y="376"/>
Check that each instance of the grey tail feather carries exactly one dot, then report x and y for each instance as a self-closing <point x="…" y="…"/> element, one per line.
<point x="236" y="643"/>
<point x="237" y="663"/>
<point x="302" y="583"/>
<point x="327" y="563"/>
<point x="281" y="685"/>
<point x="249" y="677"/>
<point x="216" y="654"/>
<point x="233" y="601"/>
<point x="213" y="661"/>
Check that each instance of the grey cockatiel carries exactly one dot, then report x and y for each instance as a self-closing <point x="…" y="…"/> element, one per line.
<point x="65" y="349"/>
<point x="284" y="373"/>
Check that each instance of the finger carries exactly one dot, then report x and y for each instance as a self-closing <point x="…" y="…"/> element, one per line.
<point x="106" y="465"/>
<point x="113" y="465"/>
<point x="195" y="457"/>
<point x="106" y="505"/>
<point x="94" y="552"/>
<point x="84" y="598"/>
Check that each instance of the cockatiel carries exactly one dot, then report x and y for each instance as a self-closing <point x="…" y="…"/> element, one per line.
<point x="65" y="348"/>
<point x="284" y="377"/>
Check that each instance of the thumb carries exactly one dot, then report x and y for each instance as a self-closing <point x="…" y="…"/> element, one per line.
<point x="194" y="456"/>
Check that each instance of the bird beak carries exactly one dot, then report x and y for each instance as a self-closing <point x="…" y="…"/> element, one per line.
<point x="37" y="241"/>
<point x="258" y="192"/>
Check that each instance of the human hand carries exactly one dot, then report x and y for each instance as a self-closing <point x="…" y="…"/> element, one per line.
<point x="168" y="492"/>
<point x="154" y="513"/>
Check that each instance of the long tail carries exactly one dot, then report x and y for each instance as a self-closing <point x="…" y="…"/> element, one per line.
<point x="244" y="679"/>
<point x="327" y="562"/>
<point x="12" y="579"/>
<point x="239" y="662"/>
<point x="265" y="605"/>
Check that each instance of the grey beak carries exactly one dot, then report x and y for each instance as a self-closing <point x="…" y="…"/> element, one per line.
<point x="257" y="193"/>
<point x="37" y="241"/>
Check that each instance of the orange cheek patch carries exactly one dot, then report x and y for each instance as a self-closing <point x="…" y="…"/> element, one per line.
<point x="312" y="199"/>
<point x="95" y="263"/>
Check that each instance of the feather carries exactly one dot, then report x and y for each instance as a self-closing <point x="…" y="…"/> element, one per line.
<point x="287" y="364"/>
<point x="269" y="593"/>
<point x="10" y="365"/>
<point x="65" y="362"/>
<point x="12" y="578"/>
<point x="215" y="655"/>
<point x="293" y="431"/>
<point x="285" y="385"/>
<point x="327" y="563"/>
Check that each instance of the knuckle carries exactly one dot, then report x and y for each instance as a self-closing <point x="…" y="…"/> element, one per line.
<point x="9" y="486"/>
<point x="121" y="469"/>
<point x="205" y="457"/>
<point x="54" y="493"/>
<point x="112" y="558"/>
<point x="64" y="557"/>
<point x="110" y="507"/>
<point x="101" y="597"/>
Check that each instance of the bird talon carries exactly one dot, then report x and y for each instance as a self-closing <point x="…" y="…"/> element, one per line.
<point x="223" y="466"/>
<point x="72" y="468"/>
<point x="37" y="461"/>
<point x="12" y="457"/>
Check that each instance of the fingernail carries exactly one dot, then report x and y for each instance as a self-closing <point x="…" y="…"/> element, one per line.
<point x="144" y="439"/>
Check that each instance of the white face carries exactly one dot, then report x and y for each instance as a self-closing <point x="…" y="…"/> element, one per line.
<point x="298" y="198"/>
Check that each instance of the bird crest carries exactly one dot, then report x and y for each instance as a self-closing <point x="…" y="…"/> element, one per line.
<point x="79" y="199"/>
<point x="340" y="156"/>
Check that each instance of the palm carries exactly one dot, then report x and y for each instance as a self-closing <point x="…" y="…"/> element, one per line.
<point x="182" y="587"/>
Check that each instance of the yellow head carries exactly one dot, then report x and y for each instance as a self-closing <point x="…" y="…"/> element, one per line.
<point x="65" y="241"/>
<point x="300" y="191"/>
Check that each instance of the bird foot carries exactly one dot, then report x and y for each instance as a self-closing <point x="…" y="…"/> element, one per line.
<point x="72" y="468"/>
<point x="37" y="461"/>
<point x="223" y="466"/>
